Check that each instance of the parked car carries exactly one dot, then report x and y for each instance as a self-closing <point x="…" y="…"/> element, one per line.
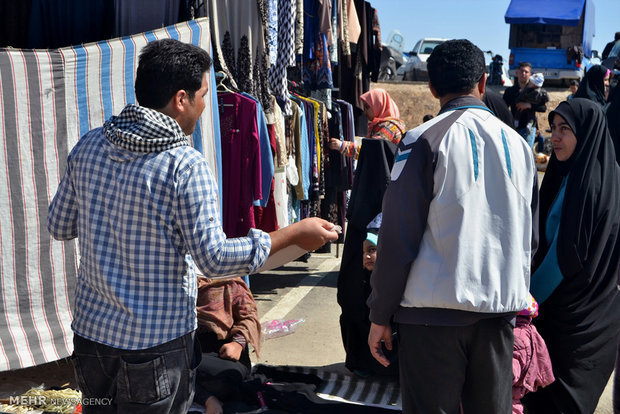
<point x="392" y="56"/>
<point x="415" y="67"/>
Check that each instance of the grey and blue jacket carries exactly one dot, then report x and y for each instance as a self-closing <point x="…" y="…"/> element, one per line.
<point x="460" y="220"/>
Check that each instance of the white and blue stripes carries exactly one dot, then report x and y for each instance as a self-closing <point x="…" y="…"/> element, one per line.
<point x="48" y="100"/>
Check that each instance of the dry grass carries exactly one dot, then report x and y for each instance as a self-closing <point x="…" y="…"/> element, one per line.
<point x="414" y="100"/>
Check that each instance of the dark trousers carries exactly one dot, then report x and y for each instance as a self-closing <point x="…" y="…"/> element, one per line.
<point x="153" y="380"/>
<point x="216" y="376"/>
<point x="444" y="368"/>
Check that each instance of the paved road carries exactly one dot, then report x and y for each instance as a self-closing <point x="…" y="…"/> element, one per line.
<point x="308" y="291"/>
<point x="299" y="290"/>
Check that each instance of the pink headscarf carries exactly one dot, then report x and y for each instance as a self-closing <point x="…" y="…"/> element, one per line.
<point x="382" y="106"/>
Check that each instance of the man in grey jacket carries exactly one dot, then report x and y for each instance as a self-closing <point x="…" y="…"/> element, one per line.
<point x="455" y="247"/>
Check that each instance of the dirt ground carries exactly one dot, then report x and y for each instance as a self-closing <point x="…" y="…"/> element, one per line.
<point x="414" y="100"/>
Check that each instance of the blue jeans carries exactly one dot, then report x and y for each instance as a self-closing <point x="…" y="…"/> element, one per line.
<point x="529" y="134"/>
<point x="153" y="380"/>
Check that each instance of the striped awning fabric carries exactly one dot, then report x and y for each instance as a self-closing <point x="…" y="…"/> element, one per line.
<point x="48" y="100"/>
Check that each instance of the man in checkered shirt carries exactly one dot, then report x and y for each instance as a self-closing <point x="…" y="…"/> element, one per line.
<point x="144" y="205"/>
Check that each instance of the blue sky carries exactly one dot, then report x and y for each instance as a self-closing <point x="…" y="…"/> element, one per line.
<point x="481" y="21"/>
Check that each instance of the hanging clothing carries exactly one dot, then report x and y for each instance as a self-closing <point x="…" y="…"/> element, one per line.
<point x="238" y="31"/>
<point x="266" y="217"/>
<point x="302" y="150"/>
<point x="317" y="73"/>
<point x="580" y="321"/>
<point x="241" y="164"/>
<point x="372" y="176"/>
<point x="272" y="30"/>
<point x="299" y="27"/>
<point x="280" y="195"/>
<point x="333" y="47"/>
<point x="592" y="86"/>
<point x="266" y="158"/>
<point x="285" y="52"/>
<point x="374" y="58"/>
<point x="354" y="26"/>
<point x="343" y="29"/>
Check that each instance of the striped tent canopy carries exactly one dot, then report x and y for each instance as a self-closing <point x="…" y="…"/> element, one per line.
<point x="48" y="100"/>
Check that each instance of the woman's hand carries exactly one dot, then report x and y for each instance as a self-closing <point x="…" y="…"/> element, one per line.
<point x="231" y="350"/>
<point x="334" y="144"/>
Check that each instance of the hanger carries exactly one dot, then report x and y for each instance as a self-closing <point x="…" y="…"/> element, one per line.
<point x="220" y="85"/>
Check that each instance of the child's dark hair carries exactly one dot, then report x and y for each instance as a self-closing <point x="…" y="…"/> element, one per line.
<point x="455" y="66"/>
<point x="167" y="66"/>
<point x="574" y="82"/>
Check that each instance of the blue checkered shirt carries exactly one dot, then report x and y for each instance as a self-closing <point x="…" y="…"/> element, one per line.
<point x="143" y="219"/>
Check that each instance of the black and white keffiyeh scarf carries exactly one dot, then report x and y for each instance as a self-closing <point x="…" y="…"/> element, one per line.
<point x="141" y="129"/>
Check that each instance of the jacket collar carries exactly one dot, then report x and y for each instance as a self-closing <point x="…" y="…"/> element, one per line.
<point x="465" y="101"/>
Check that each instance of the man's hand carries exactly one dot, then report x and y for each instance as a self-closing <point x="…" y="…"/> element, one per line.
<point x="334" y="144"/>
<point x="231" y="350"/>
<point x="309" y="234"/>
<point x="378" y="334"/>
<point x="313" y="232"/>
<point x="522" y="106"/>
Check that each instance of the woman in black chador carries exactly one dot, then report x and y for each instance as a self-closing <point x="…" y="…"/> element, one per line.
<point x="575" y="273"/>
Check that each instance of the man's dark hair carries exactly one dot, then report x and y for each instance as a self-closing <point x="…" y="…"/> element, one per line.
<point x="525" y="65"/>
<point x="617" y="36"/>
<point x="167" y="66"/>
<point x="455" y="66"/>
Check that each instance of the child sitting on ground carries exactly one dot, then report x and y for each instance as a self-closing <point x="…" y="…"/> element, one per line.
<point x="531" y="364"/>
<point x="227" y="323"/>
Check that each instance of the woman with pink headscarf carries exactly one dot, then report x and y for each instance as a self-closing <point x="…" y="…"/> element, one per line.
<point x="383" y="122"/>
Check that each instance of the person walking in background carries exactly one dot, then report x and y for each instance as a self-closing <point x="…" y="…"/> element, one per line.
<point x="575" y="271"/>
<point x="610" y="46"/>
<point x="144" y="206"/>
<point x="383" y="122"/>
<point x="536" y="96"/>
<point x="595" y="85"/>
<point x="454" y="274"/>
<point x="524" y="113"/>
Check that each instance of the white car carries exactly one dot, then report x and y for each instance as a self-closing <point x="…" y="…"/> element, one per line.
<point x="415" y="68"/>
